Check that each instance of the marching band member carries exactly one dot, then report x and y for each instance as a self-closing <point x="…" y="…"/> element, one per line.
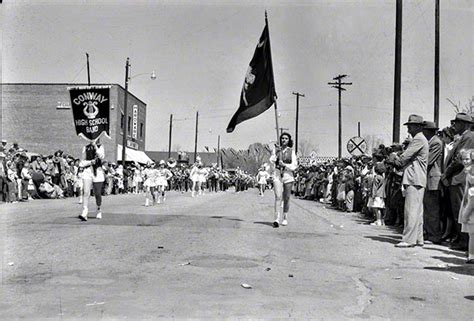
<point x="262" y="177"/>
<point x="162" y="177"/>
<point x="92" y="176"/>
<point x="202" y="172"/>
<point x="150" y="177"/>
<point x="284" y="163"/>
<point x="195" y="178"/>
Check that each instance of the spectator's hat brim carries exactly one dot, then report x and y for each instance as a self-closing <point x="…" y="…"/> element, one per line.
<point x="430" y="125"/>
<point x="463" y="117"/>
<point x="414" y="120"/>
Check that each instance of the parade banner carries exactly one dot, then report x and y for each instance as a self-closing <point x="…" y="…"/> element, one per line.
<point x="91" y="111"/>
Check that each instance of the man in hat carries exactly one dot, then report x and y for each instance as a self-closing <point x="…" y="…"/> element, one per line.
<point x="454" y="176"/>
<point x="414" y="163"/>
<point x="3" y="146"/>
<point x="432" y="197"/>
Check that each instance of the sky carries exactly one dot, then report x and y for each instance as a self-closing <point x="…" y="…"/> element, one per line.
<point x="200" y="53"/>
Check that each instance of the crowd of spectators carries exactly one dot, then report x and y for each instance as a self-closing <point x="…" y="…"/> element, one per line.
<point x="374" y="185"/>
<point x="25" y="176"/>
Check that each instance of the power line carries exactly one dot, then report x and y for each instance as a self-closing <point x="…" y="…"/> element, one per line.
<point x="338" y="85"/>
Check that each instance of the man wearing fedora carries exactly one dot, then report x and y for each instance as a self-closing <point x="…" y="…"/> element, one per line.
<point x="432" y="197"/>
<point x="414" y="162"/>
<point x="454" y="176"/>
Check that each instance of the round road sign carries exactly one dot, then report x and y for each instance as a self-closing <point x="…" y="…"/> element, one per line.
<point x="356" y="146"/>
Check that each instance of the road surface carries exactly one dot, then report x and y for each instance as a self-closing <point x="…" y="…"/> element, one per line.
<point x="188" y="259"/>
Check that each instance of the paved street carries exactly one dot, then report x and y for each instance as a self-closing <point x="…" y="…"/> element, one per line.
<point x="187" y="258"/>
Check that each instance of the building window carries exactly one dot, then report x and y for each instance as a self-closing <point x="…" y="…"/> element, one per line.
<point x="121" y="122"/>
<point x="129" y="125"/>
<point x="141" y="130"/>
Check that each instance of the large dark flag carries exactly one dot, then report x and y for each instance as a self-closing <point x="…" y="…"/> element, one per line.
<point x="258" y="92"/>
<point x="91" y="110"/>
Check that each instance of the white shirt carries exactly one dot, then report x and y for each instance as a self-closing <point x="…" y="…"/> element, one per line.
<point x="88" y="170"/>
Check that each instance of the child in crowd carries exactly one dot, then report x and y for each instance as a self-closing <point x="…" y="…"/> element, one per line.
<point x="25" y="181"/>
<point x="378" y="194"/>
<point x="466" y="214"/>
<point x="12" y="177"/>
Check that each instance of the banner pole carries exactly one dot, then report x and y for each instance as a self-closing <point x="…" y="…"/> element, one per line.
<point x="276" y="121"/>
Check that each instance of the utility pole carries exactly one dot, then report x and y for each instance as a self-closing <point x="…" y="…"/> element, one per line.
<point x="171" y="130"/>
<point x="196" y="137"/>
<point x="297" y="94"/>
<point x="338" y="85"/>
<point x="436" y="69"/>
<point x="88" y="71"/>
<point x="124" y="137"/>
<point x="218" y="150"/>
<point x="398" y="72"/>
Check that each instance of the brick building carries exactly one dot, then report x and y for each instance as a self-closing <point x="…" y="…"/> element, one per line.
<point x="39" y="118"/>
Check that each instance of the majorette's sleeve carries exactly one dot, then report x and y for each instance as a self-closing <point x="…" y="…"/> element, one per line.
<point x="294" y="162"/>
<point x="273" y="157"/>
<point x="84" y="163"/>
<point x="100" y="152"/>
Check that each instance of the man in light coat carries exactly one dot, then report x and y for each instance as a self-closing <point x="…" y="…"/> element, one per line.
<point x="414" y="161"/>
<point x="432" y="197"/>
<point x="454" y="176"/>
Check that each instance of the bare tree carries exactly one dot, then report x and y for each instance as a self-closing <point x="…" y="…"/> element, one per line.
<point x="467" y="108"/>
<point x="177" y="147"/>
<point x="306" y="147"/>
<point x="373" y="141"/>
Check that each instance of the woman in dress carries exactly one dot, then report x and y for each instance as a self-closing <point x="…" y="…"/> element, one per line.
<point x="92" y="176"/>
<point x="466" y="214"/>
<point x="149" y="174"/>
<point x="284" y="163"/>
<point x="203" y="173"/>
<point x="262" y="177"/>
<point x="195" y="178"/>
<point x="162" y="177"/>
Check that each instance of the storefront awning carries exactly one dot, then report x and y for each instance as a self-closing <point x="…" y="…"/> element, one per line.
<point x="133" y="155"/>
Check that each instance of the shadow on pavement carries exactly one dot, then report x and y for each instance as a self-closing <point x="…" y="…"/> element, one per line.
<point x="450" y="252"/>
<point x="465" y="270"/>
<point x="395" y="228"/>
<point x="451" y="260"/>
<point x="362" y="221"/>
<point x="469" y="297"/>
<point x="228" y="218"/>
<point x="127" y="219"/>
<point x="399" y="237"/>
<point x="265" y="223"/>
<point x="383" y="239"/>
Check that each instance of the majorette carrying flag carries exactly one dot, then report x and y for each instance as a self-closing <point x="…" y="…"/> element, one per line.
<point x="91" y="110"/>
<point x="258" y="93"/>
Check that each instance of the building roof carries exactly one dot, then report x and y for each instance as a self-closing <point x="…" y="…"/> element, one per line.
<point x="206" y="158"/>
<point x="71" y="84"/>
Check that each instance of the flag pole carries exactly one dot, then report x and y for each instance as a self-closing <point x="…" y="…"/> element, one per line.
<point x="274" y="96"/>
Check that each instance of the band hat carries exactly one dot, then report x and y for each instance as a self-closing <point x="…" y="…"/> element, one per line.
<point x="430" y="125"/>
<point x="463" y="117"/>
<point x="4" y="141"/>
<point x="162" y="162"/>
<point x="414" y="119"/>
